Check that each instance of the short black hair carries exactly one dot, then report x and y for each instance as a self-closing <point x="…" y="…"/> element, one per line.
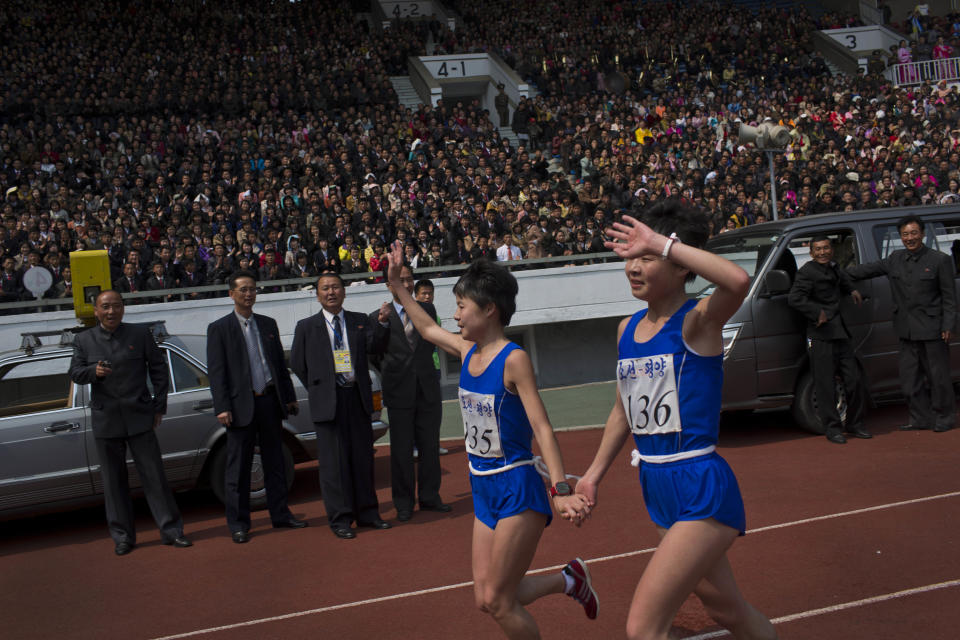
<point x="820" y="237"/>
<point x="905" y="220"/>
<point x="691" y="225"/>
<point x="330" y="273"/>
<point x="241" y="273"/>
<point x="423" y="284"/>
<point x="485" y="282"/>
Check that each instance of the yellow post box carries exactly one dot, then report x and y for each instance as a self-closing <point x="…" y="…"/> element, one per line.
<point x="91" y="275"/>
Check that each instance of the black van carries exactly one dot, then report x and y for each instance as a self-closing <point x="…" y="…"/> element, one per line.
<point x="764" y="343"/>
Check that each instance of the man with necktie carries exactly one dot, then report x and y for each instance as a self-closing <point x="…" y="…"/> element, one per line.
<point x="329" y="356"/>
<point x="411" y="391"/>
<point x="252" y="394"/>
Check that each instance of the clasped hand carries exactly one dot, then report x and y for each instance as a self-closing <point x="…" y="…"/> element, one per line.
<point x="574" y="508"/>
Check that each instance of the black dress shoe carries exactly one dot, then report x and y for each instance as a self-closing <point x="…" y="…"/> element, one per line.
<point x="292" y="523"/>
<point x="910" y="427"/>
<point x="837" y="438"/>
<point x="861" y="433"/>
<point x="344" y="533"/>
<point x="375" y="524"/>
<point x="123" y="548"/>
<point x="179" y="541"/>
<point x="940" y="428"/>
<point x="442" y="507"/>
<point x="240" y="537"/>
<point x="404" y="515"/>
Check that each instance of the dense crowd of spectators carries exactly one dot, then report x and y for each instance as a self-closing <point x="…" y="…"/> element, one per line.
<point x="193" y="142"/>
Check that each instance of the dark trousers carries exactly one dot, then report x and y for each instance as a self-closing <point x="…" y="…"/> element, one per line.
<point x="116" y="487"/>
<point x="265" y="429"/>
<point x="828" y="358"/>
<point x="345" y="461"/>
<point x="926" y="382"/>
<point x="418" y="426"/>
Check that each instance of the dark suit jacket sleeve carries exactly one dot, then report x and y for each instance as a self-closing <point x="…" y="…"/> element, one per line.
<point x="217" y="367"/>
<point x="948" y="294"/>
<point x="159" y="375"/>
<point x="378" y="337"/>
<point x="81" y="371"/>
<point x="869" y="269"/>
<point x="298" y="353"/>
<point x="799" y="297"/>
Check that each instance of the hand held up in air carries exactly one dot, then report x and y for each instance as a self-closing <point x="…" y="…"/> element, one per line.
<point x="396" y="261"/>
<point x="633" y="239"/>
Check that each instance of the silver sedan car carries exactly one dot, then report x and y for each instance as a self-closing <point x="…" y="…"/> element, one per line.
<point x="48" y="460"/>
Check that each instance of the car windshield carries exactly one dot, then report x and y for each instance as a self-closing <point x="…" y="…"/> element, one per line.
<point x="747" y="251"/>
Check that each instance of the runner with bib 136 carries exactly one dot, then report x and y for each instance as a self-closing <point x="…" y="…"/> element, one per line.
<point x="502" y="412"/>
<point x="669" y="381"/>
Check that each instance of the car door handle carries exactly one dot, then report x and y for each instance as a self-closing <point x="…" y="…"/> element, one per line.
<point x="62" y="426"/>
<point x="203" y="405"/>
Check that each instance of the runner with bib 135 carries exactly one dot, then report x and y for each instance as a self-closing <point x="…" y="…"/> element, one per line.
<point x="502" y="412"/>
<point x="669" y="381"/>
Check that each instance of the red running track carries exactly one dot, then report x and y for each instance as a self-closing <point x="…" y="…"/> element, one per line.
<point x="854" y="541"/>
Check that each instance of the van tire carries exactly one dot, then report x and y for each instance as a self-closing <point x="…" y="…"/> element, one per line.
<point x="258" y="493"/>
<point x="804" y="407"/>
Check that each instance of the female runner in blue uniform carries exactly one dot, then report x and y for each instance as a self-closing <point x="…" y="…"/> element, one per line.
<point x="501" y="411"/>
<point x="669" y="379"/>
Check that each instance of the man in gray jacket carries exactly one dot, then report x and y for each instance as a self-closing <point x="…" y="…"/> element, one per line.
<point x="925" y="311"/>
<point x="114" y="359"/>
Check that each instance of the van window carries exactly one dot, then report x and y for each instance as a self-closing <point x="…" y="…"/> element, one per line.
<point x="749" y="252"/>
<point x="937" y="234"/>
<point x="845" y="252"/>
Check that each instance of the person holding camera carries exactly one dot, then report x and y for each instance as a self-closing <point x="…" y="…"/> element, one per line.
<point x="252" y="394"/>
<point x="115" y="359"/>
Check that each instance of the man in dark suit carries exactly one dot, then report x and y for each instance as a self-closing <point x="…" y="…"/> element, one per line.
<point x="329" y="356"/>
<point x="252" y="394"/>
<point x="411" y="391"/>
<point x="129" y="282"/>
<point x="114" y="359"/>
<point x="925" y="312"/>
<point x="816" y="294"/>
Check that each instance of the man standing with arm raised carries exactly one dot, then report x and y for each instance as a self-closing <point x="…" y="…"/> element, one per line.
<point x="329" y="356"/>
<point x="252" y="394"/>
<point x="411" y="391"/>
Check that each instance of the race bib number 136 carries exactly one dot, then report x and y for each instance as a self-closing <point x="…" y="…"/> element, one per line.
<point x="648" y="390"/>
<point x="481" y="433"/>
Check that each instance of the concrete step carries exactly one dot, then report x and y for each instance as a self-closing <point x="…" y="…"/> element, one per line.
<point x="406" y="94"/>
<point x="507" y="134"/>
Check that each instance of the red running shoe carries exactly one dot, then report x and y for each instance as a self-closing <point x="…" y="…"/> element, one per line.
<point x="582" y="587"/>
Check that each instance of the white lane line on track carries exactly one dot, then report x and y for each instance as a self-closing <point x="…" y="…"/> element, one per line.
<point x="618" y="556"/>
<point x="840" y="607"/>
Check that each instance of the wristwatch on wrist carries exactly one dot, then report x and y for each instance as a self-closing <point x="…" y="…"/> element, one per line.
<point x="562" y="488"/>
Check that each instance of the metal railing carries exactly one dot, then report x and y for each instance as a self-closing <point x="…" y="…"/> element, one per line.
<point x="912" y="73"/>
<point x="294" y="284"/>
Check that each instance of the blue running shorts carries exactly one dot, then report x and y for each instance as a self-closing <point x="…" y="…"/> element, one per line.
<point x="501" y="495"/>
<point x="695" y="489"/>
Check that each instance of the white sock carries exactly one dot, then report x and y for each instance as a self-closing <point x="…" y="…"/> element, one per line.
<point x="568" y="583"/>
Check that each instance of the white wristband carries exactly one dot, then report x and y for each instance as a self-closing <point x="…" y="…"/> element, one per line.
<point x="666" y="247"/>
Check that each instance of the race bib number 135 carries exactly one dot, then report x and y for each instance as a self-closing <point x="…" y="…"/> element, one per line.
<point x="648" y="390"/>
<point x="481" y="433"/>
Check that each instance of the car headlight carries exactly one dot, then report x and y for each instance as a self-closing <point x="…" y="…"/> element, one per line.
<point x="729" y="335"/>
